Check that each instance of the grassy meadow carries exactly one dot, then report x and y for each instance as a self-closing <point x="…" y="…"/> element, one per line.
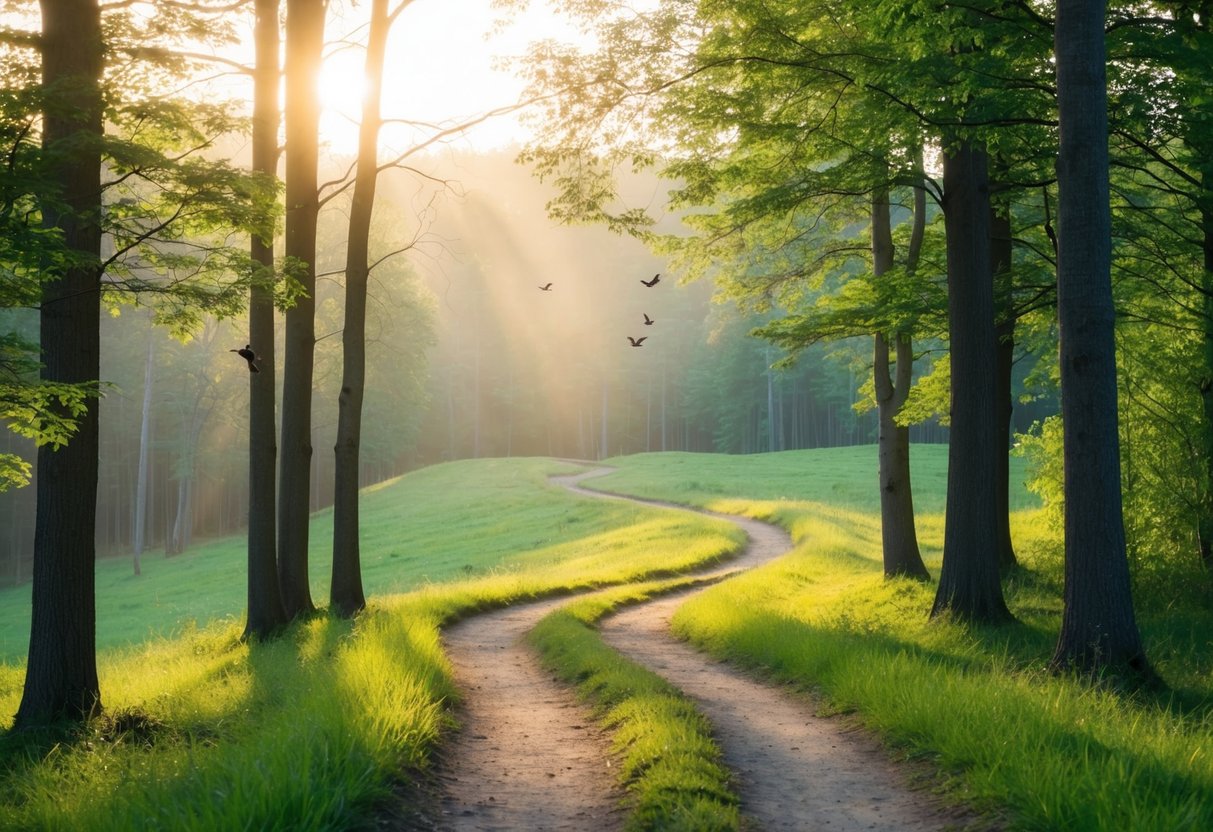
<point x="1052" y="753"/>
<point x="312" y="731"/>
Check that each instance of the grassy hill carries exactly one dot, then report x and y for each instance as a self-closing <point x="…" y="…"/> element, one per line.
<point x="331" y="714"/>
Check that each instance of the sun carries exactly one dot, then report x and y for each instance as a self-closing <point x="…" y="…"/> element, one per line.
<point x="341" y="88"/>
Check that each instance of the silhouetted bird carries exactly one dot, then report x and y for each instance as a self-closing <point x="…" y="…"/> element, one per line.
<point x="546" y="287"/>
<point x="653" y="282"/>
<point x="647" y="320"/>
<point x="248" y="355"/>
<point x="637" y="342"/>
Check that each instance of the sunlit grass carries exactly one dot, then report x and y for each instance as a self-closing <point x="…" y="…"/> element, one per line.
<point x="437" y="524"/>
<point x="310" y="731"/>
<point x="669" y="761"/>
<point x="1056" y="752"/>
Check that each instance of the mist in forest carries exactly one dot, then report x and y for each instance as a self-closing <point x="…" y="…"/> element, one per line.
<point x="467" y="357"/>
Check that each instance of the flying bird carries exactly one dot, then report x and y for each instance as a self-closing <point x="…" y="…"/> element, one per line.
<point x="647" y="320"/>
<point x="248" y="355"/>
<point x="637" y="342"/>
<point x="547" y="287"/>
<point x="653" y="282"/>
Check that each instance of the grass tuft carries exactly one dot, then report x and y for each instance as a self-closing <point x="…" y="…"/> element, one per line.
<point x="669" y="761"/>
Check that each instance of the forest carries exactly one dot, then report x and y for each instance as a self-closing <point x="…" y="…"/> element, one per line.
<point x="973" y="241"/>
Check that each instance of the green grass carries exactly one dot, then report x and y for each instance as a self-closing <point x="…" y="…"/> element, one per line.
<point x="310" y="731"/>
<point x="840" y="477"/>
<point x="1054" y="753"/>
<point x="438" y="524"/>
<point x="670" y="763"/>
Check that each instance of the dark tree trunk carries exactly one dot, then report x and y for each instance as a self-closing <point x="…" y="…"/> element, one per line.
<point x="347" y="595"/>
<point x="304" y="46"/>
<point x="1206" y="382"/>
<point x="1098" y="630"/>
<point x="61" y="673"/>
<point x="1004" y="336"/>
<point x="969" y="586"/>
<point x="265" y="611"/>
<point x="898" y="536"/>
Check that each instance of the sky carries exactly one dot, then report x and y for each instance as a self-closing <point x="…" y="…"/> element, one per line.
<point x="440" y="69"/>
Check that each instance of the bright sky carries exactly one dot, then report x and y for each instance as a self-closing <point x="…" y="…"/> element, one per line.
<point x="439" y="69"/>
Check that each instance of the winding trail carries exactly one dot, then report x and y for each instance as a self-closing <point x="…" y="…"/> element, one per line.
<point x="529" y="757"/>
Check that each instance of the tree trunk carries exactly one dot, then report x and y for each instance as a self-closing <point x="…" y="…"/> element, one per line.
<point x="347" y="594"/>
<point x="61" y="672"/>
<point x="1098" y="630"/>
<point x="1206" y="384"/>
<point x="304" y="46"/>
<point x="266" y="613"/>
<point x="1004" y="337"/>
<point x="180" y="539"/>
<point x="969" y="585"/>
<point x="899" y="538"/>
<point x="145" y="430"/>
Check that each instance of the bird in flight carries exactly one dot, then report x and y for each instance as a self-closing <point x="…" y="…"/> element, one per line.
<point x="653" y="282"/>
<point x="547" y="287"/>
<point x="637" y="342"/>
<point x="248" y="355"/>
<point x="647" y="320"/>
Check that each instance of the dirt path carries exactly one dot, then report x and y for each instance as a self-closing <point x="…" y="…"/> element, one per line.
<point x="528" y="757"/>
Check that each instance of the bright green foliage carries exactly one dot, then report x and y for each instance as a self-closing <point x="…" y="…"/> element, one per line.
<point x="670" y="763"/>
<point x="170" y="202"/>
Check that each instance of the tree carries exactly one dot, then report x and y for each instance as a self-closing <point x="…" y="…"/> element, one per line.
<point x="61" y="672"/>
<point x="346" y="594"/>
<point x="899" y="541"/>
<point x="266" y="613"/>
<point x="304" y="45"/>
<point x="1099" y="633"/>
<point x="969" y="586"/>
<point x="120" y="162"/>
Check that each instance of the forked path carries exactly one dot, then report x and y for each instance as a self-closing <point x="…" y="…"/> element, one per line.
<point x="528" y="757"/>
<point x="792" y="769"/>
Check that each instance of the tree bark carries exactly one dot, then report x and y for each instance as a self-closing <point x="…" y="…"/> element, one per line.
<point x="266" y="613"/>
<point x="61" y="673"/>
<point x="969" y="586"/>
<point x="899" y="538"/>
<point x="1099" y="633"/>
<point x="346" y="595"/>
<point x="1205" y="523"/>
<point x="1004" y="337"/>
<point x="304" y="46"/>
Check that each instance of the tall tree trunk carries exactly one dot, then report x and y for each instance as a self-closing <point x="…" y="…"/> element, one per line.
<point x="1004" y="337"/>
<point x="1206" y="384"/>
<point x="266" y="613"/>
<point x="347" y="595"/>
<point x="179" y="540"/>
<point x="304" y="46"/>
<point x="899" y="538"/>
<point x="1098" y="629"/>
<point x="61" y="672"/>
<point x="145" y="440"/>
<point x="969" y="586"/>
